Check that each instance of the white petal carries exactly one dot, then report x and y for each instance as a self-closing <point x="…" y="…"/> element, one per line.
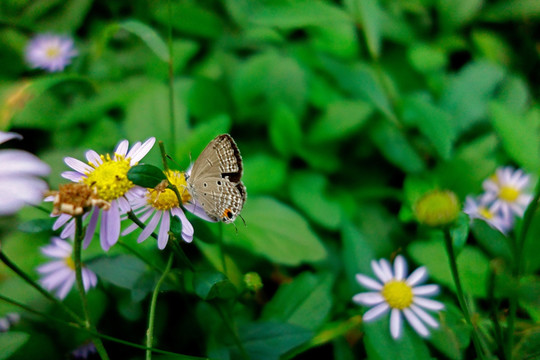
<point x="368" y="298"/>
<point x="396" y="324"/>
<point x="51" y="267"/>
<point x="387" y="268"/>
<point x="6" y="136"/>
<point x="379" y="272"/>
<point x="62" y="219"/>
<point x="110" y="226"/>
<point x="78" y="165"/>
<point x="22" y="162"/>
<point x="123" y="205"/>
<point x="73" y="176"/>
<point x="428" y="303"/>
<point x="150" y="227"/>
<point x="133" y="150"/>
<point x="418" y="276"/>
<point x="415" y="322"/>
<point x="91" y="229"/>
<point x="187" y="228"/>
<point x="121" y="148"/>
<point x="163" y="234"/>
<point x="197" y="210"/>
<point x="368" y="282"/>
<point x="94" y="158"/>
<point x="66" y="287"/>
<point x="375" y="312"/>
<point x="428" y="319"/>
<point x="400" y="268"/>
<point x="426" y="290"/>
<point x="145" y="148"/>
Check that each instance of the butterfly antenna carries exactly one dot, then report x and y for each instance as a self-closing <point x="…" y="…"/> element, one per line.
<point x="235" y="228"/>
<point x="243" y="220"/>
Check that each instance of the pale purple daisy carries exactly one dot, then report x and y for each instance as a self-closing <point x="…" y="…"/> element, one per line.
<point x="481" y="208"/>
<point x="50" y="52"/>
<point x="59" y="274"/>
<point x="19" y="181"/>
<point x="108" y="177"/>
<point x="84" y="351"/>
<point x="508" y="190"/>
<point x="398" y="294"/>
<point x="159" y="205"/>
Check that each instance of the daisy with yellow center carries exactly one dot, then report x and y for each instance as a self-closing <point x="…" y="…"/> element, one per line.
<point x="160" y="204"/>
<point x="481" y="208"/>
<point x="399" y="295"/>
<point x="508" y="191"/>
<point x="59" y="274"/>
<point x="50" y="52"/>
<point x="107" y="177"/>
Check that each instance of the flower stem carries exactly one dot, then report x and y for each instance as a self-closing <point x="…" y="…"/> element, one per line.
<point x="36" y="286"/>
<point x="518" y="245"/>
<point x="95" y="333"/>
<point x="151" y="316"/>
<point x="459" y="291"/>
<point x="171" y="80"/>
<point x="79" y="235"/>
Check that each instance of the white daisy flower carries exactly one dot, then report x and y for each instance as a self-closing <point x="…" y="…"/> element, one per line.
<point x="507" y="189"/>
<point x="480" y="208"/>
<point x="19" y="177"/>
<point x="159" y="205"/>
<point x="399" y="295"/>
<point x="8" y="321"/>
<point x="108" y="177"/>
<point x="59" y="274"/>
<point x="50" y="52"/>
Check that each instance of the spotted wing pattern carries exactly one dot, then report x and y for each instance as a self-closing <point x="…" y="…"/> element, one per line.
<point x="214" y="181"/>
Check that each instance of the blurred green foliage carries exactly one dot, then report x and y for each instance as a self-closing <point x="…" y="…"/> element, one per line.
<point x="345" y="113"/>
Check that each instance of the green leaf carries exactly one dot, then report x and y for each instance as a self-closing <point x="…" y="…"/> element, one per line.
<point x="256" y="177"/>
<point x="276" y="232"/>
<point x="380" y="345"/>
<point x="211" y="284"/>
<point x="189" y="17"/>
<point x="433" y="122"/>
<point x="308" y="193"/>
<point x="493" y="241"/>
<point x="122" y="271"/>
<point x="367" y="13"/>
<point x="285" y="131"/>
<point x="512" y="10"/>
<point x="492" y="46"/>
<point x="356" y="254"/>
<point x="453" y="335"/>
<point x="298" y="14"/>
<point x="268" y="341"/>
<point x="68" y="18"/>
<point x="456" y="13"/>
<point x="426" y="58"/>
<point x="520" y="139"/>
<point x="148" y="35"/>
<point x="37" y="225"/>
<point x="473" y="265"/>
<point x="467" y="95"/>
<point x="10" y="342"/>
<point x="342" y="119"/>
<point x="460" y="232"/>
<point x="146" y="175"/>
<point x="305" y="302"/>
<point x="396" y="148"/>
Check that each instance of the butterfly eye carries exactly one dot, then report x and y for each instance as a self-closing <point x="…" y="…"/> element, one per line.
<point x="219" y="183"/>
<point x="227" y="214"/>
<point x="205" y="184"/>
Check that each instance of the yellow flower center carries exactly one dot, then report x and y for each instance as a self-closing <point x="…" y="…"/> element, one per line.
<point x="166" y="199"/>
<point x="485" y="213"/>
<point x="70" y="263"/>
<point x="398" y="294"/>
<point x="508" y="193"/>
<point x="109" y="179"/>
<point x="52" y="52"/>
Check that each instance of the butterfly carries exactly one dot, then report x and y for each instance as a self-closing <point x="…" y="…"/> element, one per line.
<point x="215" y="180"/>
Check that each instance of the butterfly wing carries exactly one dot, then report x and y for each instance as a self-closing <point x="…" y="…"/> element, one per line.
<point x="214" y="181"/>
<point x="221" y="199"/>
<point x="219" y="158"/>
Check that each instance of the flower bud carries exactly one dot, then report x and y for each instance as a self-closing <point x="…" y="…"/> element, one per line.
<point x="437" y="208"/>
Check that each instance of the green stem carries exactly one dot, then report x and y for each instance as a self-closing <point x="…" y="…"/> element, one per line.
<point x="171" y="80"/>
<point x="79" y="235"/>
<point x="163" y="156"/>
<point x="232" y="330"/>
<point x="459" y="291"/>
<point x="36" y="286"/>
<point x="499" y="338"/>
<point x="518" y="245"/>
<point x="95" y="333"/>
<point x="151" y="316"/>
